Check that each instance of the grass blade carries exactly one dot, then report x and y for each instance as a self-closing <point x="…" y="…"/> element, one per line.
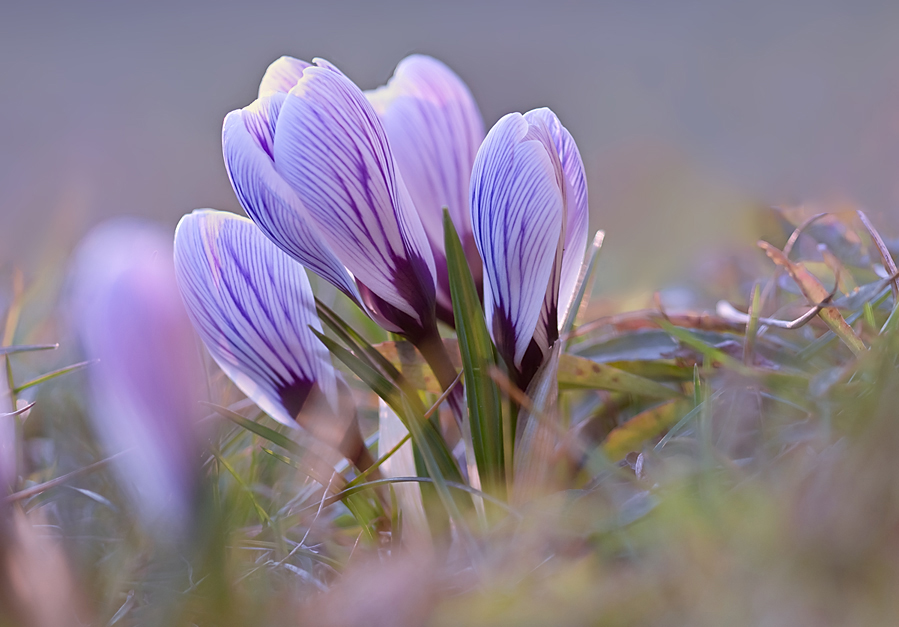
<point x="315" y="467"/>
<point x="27" y="348"/>
<point x="485" y="413"/>
<point x="816" y="293"/>
<point x="581" y="373"/>
<point x="52" y="375"/>
<point x="407" y="409"/>
<point x="643" y="427"/>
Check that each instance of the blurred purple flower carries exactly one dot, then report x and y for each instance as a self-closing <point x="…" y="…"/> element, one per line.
<point x="529" y="217"/>
<point x="435" y="129"/>
<point x="314" y="169"/>
<point x="253" y="308"/>
<point x="147" y="382"/>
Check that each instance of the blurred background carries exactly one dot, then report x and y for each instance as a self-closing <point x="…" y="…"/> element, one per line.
<point x="687" y="114"/>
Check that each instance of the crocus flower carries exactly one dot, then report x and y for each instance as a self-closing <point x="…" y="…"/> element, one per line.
<point x="435" y="129"/>
<point x="314" y="168"/>
<point x="147" y="381"/>
<point x="253" y="308"/>
<point x="529" y="217"/>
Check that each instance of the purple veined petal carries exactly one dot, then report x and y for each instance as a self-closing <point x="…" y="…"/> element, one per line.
<point x="547" y="329"/>
<point x="253" y="308"/>
<point x="247" y="141"/>
<point x="281" y="76"/>
<point x="517" y="212"/>
<point x="435" y="129"/>
<point x="331" y="148"/>
<point x="577" y="207"/>
<point x="147" y="380"/>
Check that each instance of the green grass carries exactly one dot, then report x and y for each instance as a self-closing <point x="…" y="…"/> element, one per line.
<point x="708" y="472"/>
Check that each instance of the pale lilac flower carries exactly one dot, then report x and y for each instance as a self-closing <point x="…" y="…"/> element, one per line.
<point x="529" y="217"/>
<point x="435" y="129"/>
<point x="147" y="381"/>
<point x="314" y="169"/>
<point x="254" y="310"/>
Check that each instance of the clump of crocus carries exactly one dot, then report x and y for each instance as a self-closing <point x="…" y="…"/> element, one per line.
<point x="355" y="191"/>
<point x="254" y="310"/>
<point x="146" y="384"/>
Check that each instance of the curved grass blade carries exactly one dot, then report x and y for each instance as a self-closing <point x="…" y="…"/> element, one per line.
<point x="657" y="370"/>
<point x="581" y="373"/>
<point x="390" y="480"/>
<point x="643" y="427"/>
<point x="316" y="467"/>
<point x="27" y="348"/>
<point x="888" y="263"/>
<point x="51" y="375"/>
<point x="358" y="344"/>
<point x="816" y="293"/>
<point x="407" y="409"/>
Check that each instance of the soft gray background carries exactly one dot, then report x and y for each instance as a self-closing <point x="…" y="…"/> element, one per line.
<point x="686" y="113"/>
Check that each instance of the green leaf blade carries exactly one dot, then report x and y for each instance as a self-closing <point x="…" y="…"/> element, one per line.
<point x="478" y="358"/>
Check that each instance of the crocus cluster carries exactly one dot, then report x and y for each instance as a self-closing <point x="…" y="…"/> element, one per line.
<point x="352" y="185"/>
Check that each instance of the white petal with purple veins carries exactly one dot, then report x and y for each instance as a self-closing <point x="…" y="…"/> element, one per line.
<point x="517" y="218"/>
<point x="331" y="148"/>
<point x="281" y="76"/>
<point x="247" y="138"/>
<point x="253" y="306"/>
<point x="577" y="207"/>
<point x="435" y="129"/>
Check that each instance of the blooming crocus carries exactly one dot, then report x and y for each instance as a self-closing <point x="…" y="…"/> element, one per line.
<point x="529" y="218"/>
<point x="253" y="308"/>
<point x="314" y="168"/>
<point x="435" y="129"/>
<point x="147" y="380"/>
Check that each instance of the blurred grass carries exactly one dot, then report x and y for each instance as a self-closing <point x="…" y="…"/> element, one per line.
<point x="774" y="501"/>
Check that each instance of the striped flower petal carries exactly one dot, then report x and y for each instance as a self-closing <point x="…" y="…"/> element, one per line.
<point x="247" y="141"/>
<point x="518" y="213"/>
<point x="330" y="146"/>
<point x="577" y="207"/>
<point x="253" y="307"/>
<point x="435" y="129"/>
<point x="281" y="76"/>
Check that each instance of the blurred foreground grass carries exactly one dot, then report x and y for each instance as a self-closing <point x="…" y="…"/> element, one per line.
<point x="768" y="496"/>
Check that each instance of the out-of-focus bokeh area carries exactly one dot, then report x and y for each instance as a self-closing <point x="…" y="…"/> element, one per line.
<point x="686" y="113"/>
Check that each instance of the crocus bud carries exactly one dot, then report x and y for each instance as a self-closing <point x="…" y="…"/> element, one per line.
<point x="435" y="129"/>
<point x="253" y="307"/>
<point x="529" y="218"/>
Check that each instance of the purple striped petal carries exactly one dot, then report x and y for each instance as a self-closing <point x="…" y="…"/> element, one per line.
<point x="281" y="76"/>
<point x="147" y="382"/>
<point x="518" y="211"/>
<point x="331" y="148"/>
<point x="577" y="206"/>
<point x="435" y="129"/>
<point x="252" y="306"/>
<point x="247" y="141"/>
